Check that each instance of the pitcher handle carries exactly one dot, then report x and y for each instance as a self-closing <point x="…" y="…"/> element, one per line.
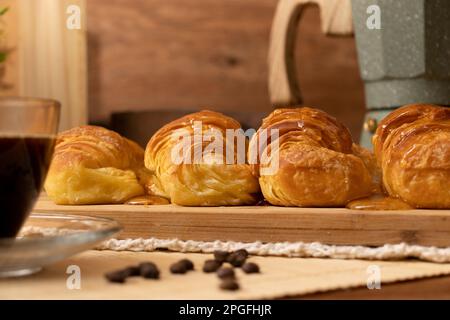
<point x="336" y="18"/>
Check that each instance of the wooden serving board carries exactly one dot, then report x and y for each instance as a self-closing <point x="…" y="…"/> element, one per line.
<point x="271" y="224"/>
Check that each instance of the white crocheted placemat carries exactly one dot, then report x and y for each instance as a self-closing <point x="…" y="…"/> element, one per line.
<point x="286" y="249"/>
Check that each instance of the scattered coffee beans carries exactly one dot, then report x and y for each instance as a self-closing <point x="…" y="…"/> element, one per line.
<point x="220" y="256"/>
<point x="149" y="270"/>
<point x="225" y="272"/>
<point x="118" y="276"/>
<point x="229" y="284"/>
<point x="211" y="266"/>
<point x="250" y="267"/>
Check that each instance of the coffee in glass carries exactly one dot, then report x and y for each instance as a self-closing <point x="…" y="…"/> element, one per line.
<point x="27" y="133"/>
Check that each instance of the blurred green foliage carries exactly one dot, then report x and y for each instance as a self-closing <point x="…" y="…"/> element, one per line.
<point x="3" y="51"/>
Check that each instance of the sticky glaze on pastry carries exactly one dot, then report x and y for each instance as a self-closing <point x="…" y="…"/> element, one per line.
<point x="317" y="165"/>
<point x="93" y="165"/>
<point x="208" y="182"/>
<point x="412" y="146"/>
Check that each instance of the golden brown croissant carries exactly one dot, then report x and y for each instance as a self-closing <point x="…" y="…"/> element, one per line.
<point x="197" y="177"/>
<point x="412" y="146"/>
<point x="316" y="163"/>
<point x="93" y="165"/>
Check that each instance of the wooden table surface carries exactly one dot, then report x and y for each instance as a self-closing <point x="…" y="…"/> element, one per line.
<point x="435" y="288"/>
<point x="280" y="278"/>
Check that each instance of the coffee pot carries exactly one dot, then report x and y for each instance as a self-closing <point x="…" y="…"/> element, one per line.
<point x="403" y="49"/>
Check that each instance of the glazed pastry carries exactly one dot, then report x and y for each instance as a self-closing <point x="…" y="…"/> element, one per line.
<point x="317" y="166"/>
<point x="412" y="146"/>
<point x="193" y="176"/>
<point x="370" y="161"/>
<point x="93" y="165"/>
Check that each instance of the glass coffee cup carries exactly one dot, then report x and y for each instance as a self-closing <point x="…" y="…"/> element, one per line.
<point x="28" y="128"/>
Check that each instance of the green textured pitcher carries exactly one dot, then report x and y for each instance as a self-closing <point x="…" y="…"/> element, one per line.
<point x="403" y="51"/>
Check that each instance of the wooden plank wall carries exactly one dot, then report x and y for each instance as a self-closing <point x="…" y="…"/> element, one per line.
<point x="178" y="54"/>
<point x="47" y="59"/>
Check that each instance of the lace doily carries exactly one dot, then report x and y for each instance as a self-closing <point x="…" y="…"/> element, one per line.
<point x="284" y="249"/>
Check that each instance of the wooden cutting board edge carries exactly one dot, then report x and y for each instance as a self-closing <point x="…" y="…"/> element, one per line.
<point x="337" y="226"/>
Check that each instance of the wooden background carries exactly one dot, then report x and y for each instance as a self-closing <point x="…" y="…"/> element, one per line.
<point x="187" y="55"/>
<point x="178" y="54"/>
<point x="10" y="79"/>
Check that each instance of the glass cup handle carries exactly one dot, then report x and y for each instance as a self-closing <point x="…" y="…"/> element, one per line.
<point x="336" y="18"/>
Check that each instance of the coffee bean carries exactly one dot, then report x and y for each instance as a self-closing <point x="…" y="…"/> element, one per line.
<point x="211" y="266"/>
<point x="229" y="284"/>
<point x="241" y="252"/>
<point x="188" y="264"/>
<point x="149" y="270"/>
<point x="220" y="256"/>
<point x="225" y="272"/>
<point x="178" y="268"/>
<point x="133" y="271"/>
<point x="236" y="259"/>
<point x="147" y="264"/>
<point x="250" y="267"/>
<point x="118" y="276"/>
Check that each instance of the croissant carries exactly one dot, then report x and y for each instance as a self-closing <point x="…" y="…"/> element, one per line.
<point x="93" y="165"/>
<point x="314" y="159"/>
<point x="412" y="147"/>
<point x="211" y="179"/>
